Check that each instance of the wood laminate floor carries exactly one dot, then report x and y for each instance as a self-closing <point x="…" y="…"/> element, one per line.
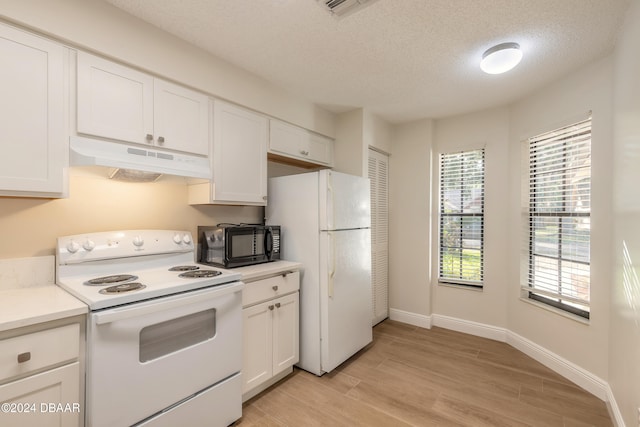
<point x="411" y="376"/>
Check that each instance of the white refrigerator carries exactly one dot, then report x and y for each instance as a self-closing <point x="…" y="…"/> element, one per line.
<point x="325" y="219"/>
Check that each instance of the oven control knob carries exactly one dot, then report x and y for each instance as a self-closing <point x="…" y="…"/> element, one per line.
<point x="138" y="241"/>
<point x="186" y="239"/>
<point x="73" y="247"/>
<point x="88" y="245"/>
<point x="177" y="238"/>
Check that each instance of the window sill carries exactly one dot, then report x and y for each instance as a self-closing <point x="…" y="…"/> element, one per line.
<point x="557" y="311"/>
<point x="462" y="286"/>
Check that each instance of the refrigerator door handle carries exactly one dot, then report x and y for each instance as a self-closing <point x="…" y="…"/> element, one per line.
<point x="332" y="266"/>
<point x="330" y="213"/>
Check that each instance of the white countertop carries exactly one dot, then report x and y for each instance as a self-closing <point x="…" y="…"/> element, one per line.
<point x="26" y="306"/>
<point x="252" y="272"/>
<point x="29" y="306"/>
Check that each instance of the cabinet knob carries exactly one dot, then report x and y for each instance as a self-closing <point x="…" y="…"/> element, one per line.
<point x="271" y="307"/>
<point x="24" y="357"/>
<point x="161" y="140"/>
<point x="275" y="288"/>
<point x="277" y="305"/>
<point x="149" y="137"/>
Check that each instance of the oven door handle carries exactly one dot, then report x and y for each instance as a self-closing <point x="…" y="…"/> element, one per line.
<point x="116" y="314"/>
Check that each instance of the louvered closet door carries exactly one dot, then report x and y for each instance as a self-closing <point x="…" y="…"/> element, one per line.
<point x="379" y="176"/>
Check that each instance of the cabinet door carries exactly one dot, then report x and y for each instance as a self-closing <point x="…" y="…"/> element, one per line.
<point x="239" y="155"/>
<point x="113" y="101"/>
<point x="181" y="119"/>
<point x="292" y="141"/>
<point x="285" y="332"/>
<point x="57" y="386"/>
<point x="258" y="345"/>
<point x="285" y="139"/>
<point x="33" y="134"/>
<point x="320" y="149"/>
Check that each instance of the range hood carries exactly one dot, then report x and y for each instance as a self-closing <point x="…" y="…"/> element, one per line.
<point x="94" y="152"/>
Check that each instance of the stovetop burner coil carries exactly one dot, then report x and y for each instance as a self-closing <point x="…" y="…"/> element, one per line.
<point x="124" y="287"/>
<point x="116" y="278"/>
<point x="184" y="268"/>
<point x="197" y="274"/>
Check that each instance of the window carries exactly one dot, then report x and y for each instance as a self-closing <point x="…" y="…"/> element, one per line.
<point x="462" y="218"/>
<point x="559" y="218"/>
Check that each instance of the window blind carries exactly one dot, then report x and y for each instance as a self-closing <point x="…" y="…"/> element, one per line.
<point x="462" y="218"/>
<point x="559" y="218"/>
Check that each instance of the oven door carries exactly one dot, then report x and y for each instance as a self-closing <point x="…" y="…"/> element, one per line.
<point x="145" y="357"/>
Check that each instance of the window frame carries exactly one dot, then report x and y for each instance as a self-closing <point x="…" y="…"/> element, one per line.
<point x="570" y="137"/>
<point x="460" y="280"/>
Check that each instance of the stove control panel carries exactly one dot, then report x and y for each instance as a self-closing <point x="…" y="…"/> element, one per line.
<point x="121" y="244"/>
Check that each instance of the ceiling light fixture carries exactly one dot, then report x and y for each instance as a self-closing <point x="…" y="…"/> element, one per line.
<point x="501" y="58"/>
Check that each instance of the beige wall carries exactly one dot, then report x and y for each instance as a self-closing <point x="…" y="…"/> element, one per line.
<point x="624" y="331"/>
<point x="356" y="131"/>
<point x="30" y="226"/>
<point x="97" y="26"/>
<point x="347" y="151"/>
<point x="413" y="269"/>
<point x="566" y="101"/>
<point x="489" y="130"/>
<point x="410" y="217"/>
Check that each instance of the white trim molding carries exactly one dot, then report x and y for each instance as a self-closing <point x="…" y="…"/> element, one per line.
<point x="574" y="373"/>
<point x="414" y="319"/>
<point x="472" y="328"/>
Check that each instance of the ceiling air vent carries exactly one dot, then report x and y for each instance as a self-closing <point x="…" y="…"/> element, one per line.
<point x="340" y="8"/>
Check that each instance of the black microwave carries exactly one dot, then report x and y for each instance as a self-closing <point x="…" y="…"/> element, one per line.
<point x="232" y="246"/>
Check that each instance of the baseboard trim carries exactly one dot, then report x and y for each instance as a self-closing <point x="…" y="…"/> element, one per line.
<point x="574" y="373"/>
<point x="471" y="328"/>
<point x="414" y="319"/>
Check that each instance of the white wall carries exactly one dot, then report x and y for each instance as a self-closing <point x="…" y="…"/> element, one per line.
<point x="624" y="331"/>
<point x="100" y="27"/>
<point x="410" y="219"/>
<point x="562" y="103"/>
<point x="489" y="130"/>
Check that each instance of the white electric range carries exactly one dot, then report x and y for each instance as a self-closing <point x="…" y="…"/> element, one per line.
<point x="164" y="334"/>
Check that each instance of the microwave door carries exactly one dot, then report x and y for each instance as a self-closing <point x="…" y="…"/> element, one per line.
<point x="245" y="245"/>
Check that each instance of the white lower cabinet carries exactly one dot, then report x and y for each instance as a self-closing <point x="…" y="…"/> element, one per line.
<point x="271" y="332"/>
<point x="40" y="378"/>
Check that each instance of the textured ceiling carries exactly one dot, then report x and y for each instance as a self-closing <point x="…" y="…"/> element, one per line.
<point x="401" y="59"/>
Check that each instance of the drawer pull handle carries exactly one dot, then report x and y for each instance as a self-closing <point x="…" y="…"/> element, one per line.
<point x="277" y="305"/>
<point x="271" y="307"/>
<point x="24" y="357"/>
<point x="275" y="288"/>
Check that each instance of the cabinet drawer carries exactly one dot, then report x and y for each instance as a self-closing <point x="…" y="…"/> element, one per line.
<point x="31" y="352"/>
<point x="271" y="287"/>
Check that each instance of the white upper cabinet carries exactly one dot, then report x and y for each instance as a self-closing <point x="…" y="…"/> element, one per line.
<point x="120" y="103"/>
<point x="181" y="118"/>
<point x="239" y="157"/>
<point x="33" y="134"/>
<point x="299" y="144"/>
